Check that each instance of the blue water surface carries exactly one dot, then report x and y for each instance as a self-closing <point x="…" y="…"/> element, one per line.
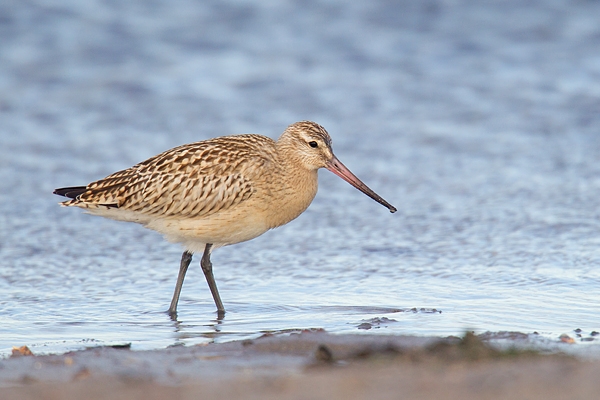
<point x="479" y="121"/>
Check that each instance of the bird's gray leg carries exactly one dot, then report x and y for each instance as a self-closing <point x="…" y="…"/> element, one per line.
<point x="207" y="269"/>
<point x="186" y="258"/>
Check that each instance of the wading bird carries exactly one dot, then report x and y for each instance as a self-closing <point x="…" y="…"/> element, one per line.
<point x="218" y="192"/>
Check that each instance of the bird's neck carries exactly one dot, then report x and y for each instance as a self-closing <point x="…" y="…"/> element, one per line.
<point x="296" y="188"/>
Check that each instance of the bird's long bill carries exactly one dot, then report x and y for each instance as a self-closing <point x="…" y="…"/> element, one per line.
<point x="343" y="172"/>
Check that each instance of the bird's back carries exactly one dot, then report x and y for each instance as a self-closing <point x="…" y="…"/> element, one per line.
<point x="190" y="181"/>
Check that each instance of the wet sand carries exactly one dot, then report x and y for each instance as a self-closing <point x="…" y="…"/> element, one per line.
<point x="310" y="365"/>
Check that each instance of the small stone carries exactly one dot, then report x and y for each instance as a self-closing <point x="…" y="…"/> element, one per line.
<point x="123" y="346"/>
<point x="566" y="338"/>
<point x="324" y="354"/>
<point x="82" y="374"/>
<point x="21" y="351"/>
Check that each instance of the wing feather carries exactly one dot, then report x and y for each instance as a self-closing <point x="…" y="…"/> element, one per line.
<point x="189" y="181"/>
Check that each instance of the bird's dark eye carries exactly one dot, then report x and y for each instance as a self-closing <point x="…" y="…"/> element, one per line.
<point x="313" y="144"/>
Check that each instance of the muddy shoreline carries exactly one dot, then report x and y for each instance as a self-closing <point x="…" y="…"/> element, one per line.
<point x="311" y="364"/>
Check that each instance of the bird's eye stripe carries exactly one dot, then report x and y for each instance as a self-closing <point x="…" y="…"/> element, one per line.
<point x="313" y="144"/>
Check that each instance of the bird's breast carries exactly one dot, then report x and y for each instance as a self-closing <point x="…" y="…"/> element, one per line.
<point x="289" y="198"/>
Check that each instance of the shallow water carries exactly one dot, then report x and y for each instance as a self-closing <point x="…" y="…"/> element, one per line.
<point x="479" y="122"/>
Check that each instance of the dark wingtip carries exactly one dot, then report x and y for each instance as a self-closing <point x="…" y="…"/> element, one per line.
<point x="393" y="209"/>
<point x="70" y="192"/>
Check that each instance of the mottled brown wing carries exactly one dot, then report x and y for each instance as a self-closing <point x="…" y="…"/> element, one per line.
<point x="109" y="191"/>
<point x="189" y="181"/>
<point x="169" y="194"/>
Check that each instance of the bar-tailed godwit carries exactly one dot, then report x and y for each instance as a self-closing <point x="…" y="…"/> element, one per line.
<point x="217" y="192"/>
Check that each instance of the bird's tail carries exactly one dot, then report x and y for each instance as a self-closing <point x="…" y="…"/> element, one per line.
<point x="70" y="192"/>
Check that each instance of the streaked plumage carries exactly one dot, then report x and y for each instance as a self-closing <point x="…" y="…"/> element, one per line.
<point x="219" y="191"/>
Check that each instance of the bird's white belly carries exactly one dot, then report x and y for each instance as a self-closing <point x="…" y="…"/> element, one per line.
<point x="235" y="225"/>
<point x="220" y="229"/>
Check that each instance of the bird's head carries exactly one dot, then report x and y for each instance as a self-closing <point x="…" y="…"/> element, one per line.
<point x="308" y="144"/>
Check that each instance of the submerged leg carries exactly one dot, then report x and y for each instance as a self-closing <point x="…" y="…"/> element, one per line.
<point x="186" y="258"/>
<point x="207" y="269"/>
